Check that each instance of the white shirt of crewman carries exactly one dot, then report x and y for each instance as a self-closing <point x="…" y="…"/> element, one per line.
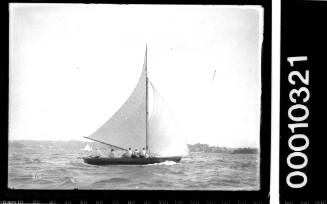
<point x="136" y="153"/>
<point x="143" y="153"/>
<point x="112" y="154"/>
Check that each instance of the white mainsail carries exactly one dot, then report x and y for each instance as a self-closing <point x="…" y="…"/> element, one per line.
<point x="131" y="127"/>
<point x="127" y="127"/>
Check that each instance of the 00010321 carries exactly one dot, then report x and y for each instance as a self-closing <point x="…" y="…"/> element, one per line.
<point x="299" y="97"/>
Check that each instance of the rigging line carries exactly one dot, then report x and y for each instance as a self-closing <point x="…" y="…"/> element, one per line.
<point x="146" y="96"/>
<point x="104" y="143"/>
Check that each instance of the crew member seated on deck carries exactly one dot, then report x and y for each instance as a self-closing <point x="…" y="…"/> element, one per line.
<point x="112" y="154"/>
<point x="135" y="153"/>
<point x="128" y="153"/>
<point x="97" y="153"/>
<point x="143" y="153"/>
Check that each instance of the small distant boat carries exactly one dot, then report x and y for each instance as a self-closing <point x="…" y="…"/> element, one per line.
<point x="137" y="126"/>
<point x="87" y="148"/>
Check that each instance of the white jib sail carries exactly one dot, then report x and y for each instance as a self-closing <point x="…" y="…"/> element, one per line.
<point x="164" y="137"/>
<point x="127" y="127"/>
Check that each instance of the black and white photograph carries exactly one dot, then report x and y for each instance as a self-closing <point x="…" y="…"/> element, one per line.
<point x="135" y="97"/>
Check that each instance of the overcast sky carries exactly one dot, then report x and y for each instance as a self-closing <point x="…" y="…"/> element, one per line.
<point x="73" y="65"/>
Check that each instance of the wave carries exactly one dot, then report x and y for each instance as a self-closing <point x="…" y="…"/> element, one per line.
<point x="68" y="182"/>
<point x="187" y="159"/>
<point x="243" y="165"/>
<point x="166" y="163"/>
<point x="25" y="160"/>
<point x="111" y="180"/>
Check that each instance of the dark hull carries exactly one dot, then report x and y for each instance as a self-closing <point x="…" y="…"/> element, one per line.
<point x="128" y="161"/>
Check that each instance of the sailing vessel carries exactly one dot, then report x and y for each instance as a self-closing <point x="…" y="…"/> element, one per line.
<point x="87" y="148"/>
<point x="143" y="121"/>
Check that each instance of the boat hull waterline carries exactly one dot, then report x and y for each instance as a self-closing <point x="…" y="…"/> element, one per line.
<point x="128" y="161"/>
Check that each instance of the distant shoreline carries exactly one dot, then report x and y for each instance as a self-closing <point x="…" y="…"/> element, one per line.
<point x="198" y="147"/>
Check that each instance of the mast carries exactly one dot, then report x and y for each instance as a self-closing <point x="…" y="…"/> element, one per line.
<point x="146" y="92"/>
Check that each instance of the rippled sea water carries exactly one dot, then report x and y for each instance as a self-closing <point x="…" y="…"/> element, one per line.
<point x="58" y="165"/>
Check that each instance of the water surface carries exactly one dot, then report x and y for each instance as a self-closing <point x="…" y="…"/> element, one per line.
<point x="58" y="165"/>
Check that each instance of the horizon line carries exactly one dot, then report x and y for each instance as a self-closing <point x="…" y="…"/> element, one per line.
<point x="76" y="140"/>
